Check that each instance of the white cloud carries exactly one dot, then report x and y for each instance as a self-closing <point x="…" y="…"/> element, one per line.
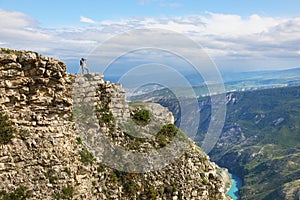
<point x="19" y="31"/>
<point x="223" y="36"/>
<point x="87" y="20"/>
<point x="17" y="28"/>
<point x="235" y="25"/>
<point x="13" y="19"/>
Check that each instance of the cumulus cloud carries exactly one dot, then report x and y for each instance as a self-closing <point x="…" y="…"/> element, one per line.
<point x="18" y="28"/>
<point x="86" y="20"/>
<point x="15" y="19"/>
<point x="225" y="37"/>
<point x="20" y="31"/>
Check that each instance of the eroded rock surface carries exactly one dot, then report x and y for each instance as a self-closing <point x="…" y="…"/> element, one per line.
<point x="49" y="156"/>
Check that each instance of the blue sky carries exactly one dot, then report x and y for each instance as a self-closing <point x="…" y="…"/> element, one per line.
<point x="239" y="35"/>
<point x="68" y="12"/>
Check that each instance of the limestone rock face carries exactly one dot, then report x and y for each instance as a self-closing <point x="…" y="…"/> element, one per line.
<point x="36" y="96"/>
<point x="49" y="156"/>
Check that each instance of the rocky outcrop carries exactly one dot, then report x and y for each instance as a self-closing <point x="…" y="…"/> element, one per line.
<point x="49" y="154"/>
<point x="290" y="190"/>
<point x="35" y="95"/>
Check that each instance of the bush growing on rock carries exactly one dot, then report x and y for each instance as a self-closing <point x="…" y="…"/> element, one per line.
<point x="86" y="157"/>
<point x="66" y="193"/>
<point x="141" y="117"/>
<point x="18" y="194"/>
<point x="6" y="129"/>
<point x="165" y="135"/>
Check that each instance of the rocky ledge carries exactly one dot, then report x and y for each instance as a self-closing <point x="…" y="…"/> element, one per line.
<point x="43" y="151"/>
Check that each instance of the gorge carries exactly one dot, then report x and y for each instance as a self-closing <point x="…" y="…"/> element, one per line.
<point x="259" y="141"/>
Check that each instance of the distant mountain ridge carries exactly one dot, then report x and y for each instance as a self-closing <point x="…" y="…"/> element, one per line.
<point x="261" y="79"/>
<point x="234" y="76"/>
<point x="233" y="81"/>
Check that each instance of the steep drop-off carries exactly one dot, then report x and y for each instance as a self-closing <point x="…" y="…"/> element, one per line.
<point x="260" y="140"/>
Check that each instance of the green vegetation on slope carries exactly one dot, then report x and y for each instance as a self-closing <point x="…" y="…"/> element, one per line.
<point x="272" y="115"/>
<point x="268" y="155"/>
<point x="141" y="117"/>
<point x="66" y="193"/>
<point x="18" y="194"/>
<point x="260" y="140"/>
<point x="86" y="157"/>
<point x="165" y="135"/>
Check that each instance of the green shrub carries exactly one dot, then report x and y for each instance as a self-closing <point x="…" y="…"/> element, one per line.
<point x="94" y="183"/>
<point x="102" y="110"/>
<point x="7" y="51"/>
<point x="2" y="193"/>
<point x="50" y="176"/>
<point x="107" y="118"/>
<point x="78" y="139"/>
<point x="101" y="167"/>
<point x="6" y="129"/>
<point x="141" y="117"/>
<point x="162" y="140"/>
<point x="168" y="130"/>
<point x="86" y="157"/>
<point x="131" y="188"/>
<point x="169" y="189"/>
<point x="151" y="192"/>
<point x="166" y="134"/>
<point x="18" y="194"/>
<point x="206" y="169"/>
<point x="68" y="171"/>
<point x="66" y="193"/>
<point x="113" y="176"/>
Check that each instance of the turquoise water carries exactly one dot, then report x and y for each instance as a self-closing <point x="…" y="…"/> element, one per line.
<point x="236" y="185"/>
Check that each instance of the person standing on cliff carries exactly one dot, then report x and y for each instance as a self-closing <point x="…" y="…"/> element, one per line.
<point x="84" y="66"/>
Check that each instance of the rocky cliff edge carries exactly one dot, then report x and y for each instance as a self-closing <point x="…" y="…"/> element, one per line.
<point x="43" y="154"/>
